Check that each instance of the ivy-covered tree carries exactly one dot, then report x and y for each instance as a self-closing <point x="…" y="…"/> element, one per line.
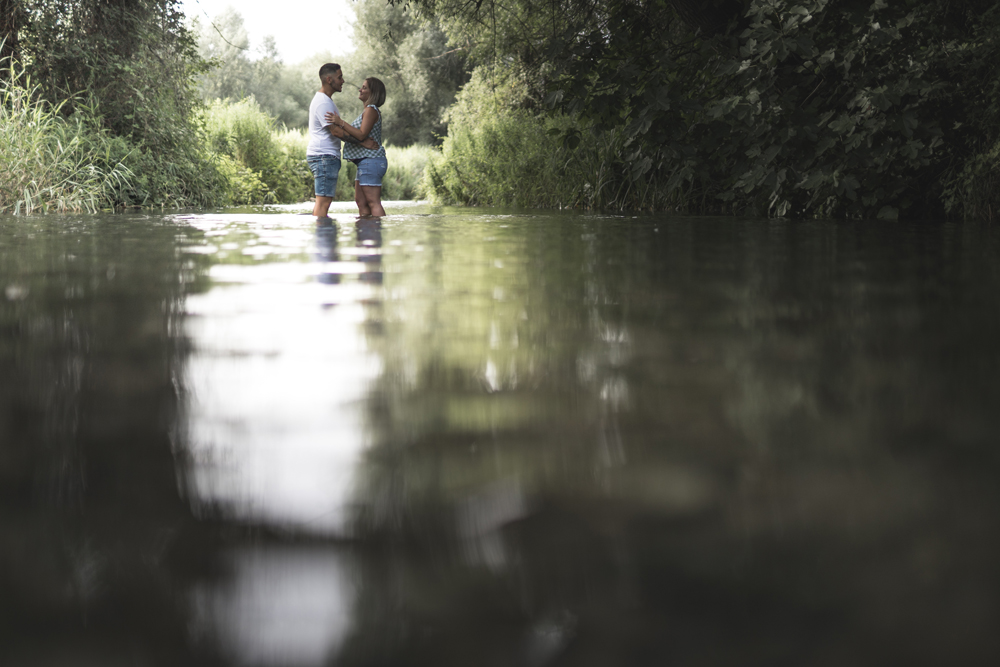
<point x="853" y="108"/>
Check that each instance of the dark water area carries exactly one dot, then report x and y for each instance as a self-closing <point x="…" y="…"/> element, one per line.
<point x="482" y="437"/>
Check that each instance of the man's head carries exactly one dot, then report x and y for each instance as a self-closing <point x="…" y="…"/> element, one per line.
<point x="331" y="75"/>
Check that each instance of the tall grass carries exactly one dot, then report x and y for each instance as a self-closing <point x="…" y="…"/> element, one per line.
<point x="51" y="163"/>
<point x="403" y="181"/>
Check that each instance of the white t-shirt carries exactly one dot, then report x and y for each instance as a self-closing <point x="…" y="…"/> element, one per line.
<point x="320" y="141"/>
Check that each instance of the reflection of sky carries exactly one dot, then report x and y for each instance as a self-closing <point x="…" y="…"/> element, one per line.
<point x="284" y="606"/>
<point x="277" y="377"/>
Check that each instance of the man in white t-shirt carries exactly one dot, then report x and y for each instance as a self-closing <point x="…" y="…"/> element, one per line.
<point x="323" y="153"/>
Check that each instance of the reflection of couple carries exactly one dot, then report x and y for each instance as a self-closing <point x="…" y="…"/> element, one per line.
<point x="362" y="138"/>
<point x="369" y="234"/>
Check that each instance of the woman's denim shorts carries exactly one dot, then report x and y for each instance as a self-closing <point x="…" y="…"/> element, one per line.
<point x="371" y="170"/>
<point x="325" y="169"/>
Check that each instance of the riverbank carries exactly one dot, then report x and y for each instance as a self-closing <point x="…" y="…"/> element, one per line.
<point x="235" y="154"/>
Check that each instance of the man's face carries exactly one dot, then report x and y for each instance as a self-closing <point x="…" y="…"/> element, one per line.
<point x="337" y="80"/>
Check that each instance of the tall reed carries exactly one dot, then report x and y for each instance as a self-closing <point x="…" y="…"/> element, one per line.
<point x="52" y="163"/>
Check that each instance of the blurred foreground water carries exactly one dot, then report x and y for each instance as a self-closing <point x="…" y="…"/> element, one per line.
<point x="478" y="437"/>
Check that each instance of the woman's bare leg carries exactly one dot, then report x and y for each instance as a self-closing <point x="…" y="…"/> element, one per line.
<point x="359" y="199"/>
<point x="373" y="195"/>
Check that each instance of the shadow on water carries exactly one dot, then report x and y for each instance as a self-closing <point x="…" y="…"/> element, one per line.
<point x="478" y="437"/>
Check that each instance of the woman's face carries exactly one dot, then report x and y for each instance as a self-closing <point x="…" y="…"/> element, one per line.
<point x="363" y="92"/>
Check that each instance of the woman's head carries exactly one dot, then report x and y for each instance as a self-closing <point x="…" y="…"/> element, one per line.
<point x="376" y="91"/>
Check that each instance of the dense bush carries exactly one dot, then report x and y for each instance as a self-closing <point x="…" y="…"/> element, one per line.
<point x="135" y="58"/>
<point x="859" y="108"/>
<point x="505" y="160"/>
<point x="136" y="62"/>
<point x="500" y="153"/>
<point x="262" y="164"/>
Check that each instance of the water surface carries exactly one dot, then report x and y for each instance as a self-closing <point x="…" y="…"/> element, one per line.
<point x="488" y="437"/>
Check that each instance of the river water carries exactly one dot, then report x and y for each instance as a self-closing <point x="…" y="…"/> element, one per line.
<point x="487" y="437"/>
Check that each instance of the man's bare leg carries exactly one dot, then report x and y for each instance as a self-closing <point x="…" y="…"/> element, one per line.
<point x="321" y="206"/>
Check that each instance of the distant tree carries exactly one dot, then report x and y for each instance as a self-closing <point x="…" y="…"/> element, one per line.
<point x="224" y="43"/>
<point x="238" y="72"/>
<point x="412" y="55"/>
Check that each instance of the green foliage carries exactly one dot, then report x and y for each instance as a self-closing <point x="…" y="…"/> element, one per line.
<point x="135" y="59"/>
<point x="975" y="191"/>
<point x="235" y="74"/>
<point x="136" y="62"/>
<point x="52" y="163"/>
<point x="404" y="179"/>
<point x="500" y="153"/>
<point x="261" y="164"/>
<point x="186" y="176"/>
<point x="839" y="110"/>
<point x="497" y="155"/>
<point x="410" y="53"/>
<point x="860" y="108"/>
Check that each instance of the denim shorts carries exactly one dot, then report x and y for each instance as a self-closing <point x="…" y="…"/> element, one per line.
<point x="325" y="169"/>
<point x="371" y="170"/>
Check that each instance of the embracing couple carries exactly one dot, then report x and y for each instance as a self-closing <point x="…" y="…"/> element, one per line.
<point x="362" y="143"/>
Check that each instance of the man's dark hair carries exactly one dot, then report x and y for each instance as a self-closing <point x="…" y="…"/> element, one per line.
<point x="327" y="69"/>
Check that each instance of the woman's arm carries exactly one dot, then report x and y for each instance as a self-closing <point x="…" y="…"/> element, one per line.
<point x="368" y="118"/>
<point x="338" y="132"/>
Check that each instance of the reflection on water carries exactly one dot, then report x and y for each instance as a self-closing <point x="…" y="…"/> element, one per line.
<point x="461" y="437"/>
<point x="282" y="605"/>
<point x="278" y="366"/>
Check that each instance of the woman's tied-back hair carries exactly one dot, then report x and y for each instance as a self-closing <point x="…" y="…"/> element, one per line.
<point x="376" y="90"/>
<point x="328" y="69"/>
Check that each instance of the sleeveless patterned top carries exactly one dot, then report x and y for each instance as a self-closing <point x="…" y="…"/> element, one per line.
<point x="355" y="152"/>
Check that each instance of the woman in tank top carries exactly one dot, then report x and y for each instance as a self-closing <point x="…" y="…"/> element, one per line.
<point x="371" y="162"/>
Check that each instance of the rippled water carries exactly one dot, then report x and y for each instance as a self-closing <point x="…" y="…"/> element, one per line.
<point x="486" y="437"/>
